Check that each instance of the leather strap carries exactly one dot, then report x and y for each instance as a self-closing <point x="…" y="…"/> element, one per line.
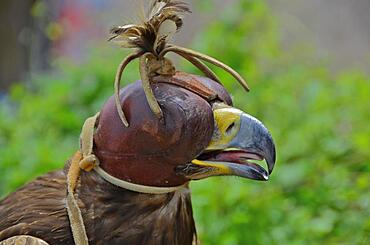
<point x="188" y="82"/>
<point x="74" y="212"/>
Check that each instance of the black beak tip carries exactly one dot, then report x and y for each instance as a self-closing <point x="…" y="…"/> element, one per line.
<point x="270" y="153"/>
<point x="265" y="177"/>
<point x="271" y="160"/>
<point x="256" y="172"/>
<point x="261" y="176"/>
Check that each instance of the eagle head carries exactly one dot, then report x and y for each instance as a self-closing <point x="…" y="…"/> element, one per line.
<point x="200" y="135"/>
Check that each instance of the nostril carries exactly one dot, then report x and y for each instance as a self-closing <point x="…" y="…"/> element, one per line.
<point x="231" y="126"/>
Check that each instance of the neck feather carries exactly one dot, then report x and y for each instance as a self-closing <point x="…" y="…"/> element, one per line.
<point x="120" y="216"/>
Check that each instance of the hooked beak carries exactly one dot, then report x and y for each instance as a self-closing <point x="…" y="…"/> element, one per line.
<point x="238" y="138"/>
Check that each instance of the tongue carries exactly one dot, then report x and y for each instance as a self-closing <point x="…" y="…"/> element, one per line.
<point x="234" y="156"/>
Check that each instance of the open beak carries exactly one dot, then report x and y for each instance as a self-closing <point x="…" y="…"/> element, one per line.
<point x="238" y="139"/>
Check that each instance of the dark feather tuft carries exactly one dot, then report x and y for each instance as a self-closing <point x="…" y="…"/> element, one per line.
<point x="164" y="19"/>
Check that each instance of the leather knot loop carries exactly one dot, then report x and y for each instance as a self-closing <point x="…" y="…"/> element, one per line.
<point x="89" y="162"/>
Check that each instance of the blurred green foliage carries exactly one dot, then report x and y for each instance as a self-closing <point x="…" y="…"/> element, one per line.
<point x="319" y="192"/>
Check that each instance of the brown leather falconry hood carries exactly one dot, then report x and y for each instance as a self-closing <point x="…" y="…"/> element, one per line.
<point x="148" y="151"/>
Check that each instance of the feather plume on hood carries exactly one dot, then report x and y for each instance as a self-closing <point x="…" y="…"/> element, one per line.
<point x="164" y="19"/>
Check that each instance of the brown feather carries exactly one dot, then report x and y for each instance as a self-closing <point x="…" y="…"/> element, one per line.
<point x="112" y="215"/>
<point x="145" y="36"/>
